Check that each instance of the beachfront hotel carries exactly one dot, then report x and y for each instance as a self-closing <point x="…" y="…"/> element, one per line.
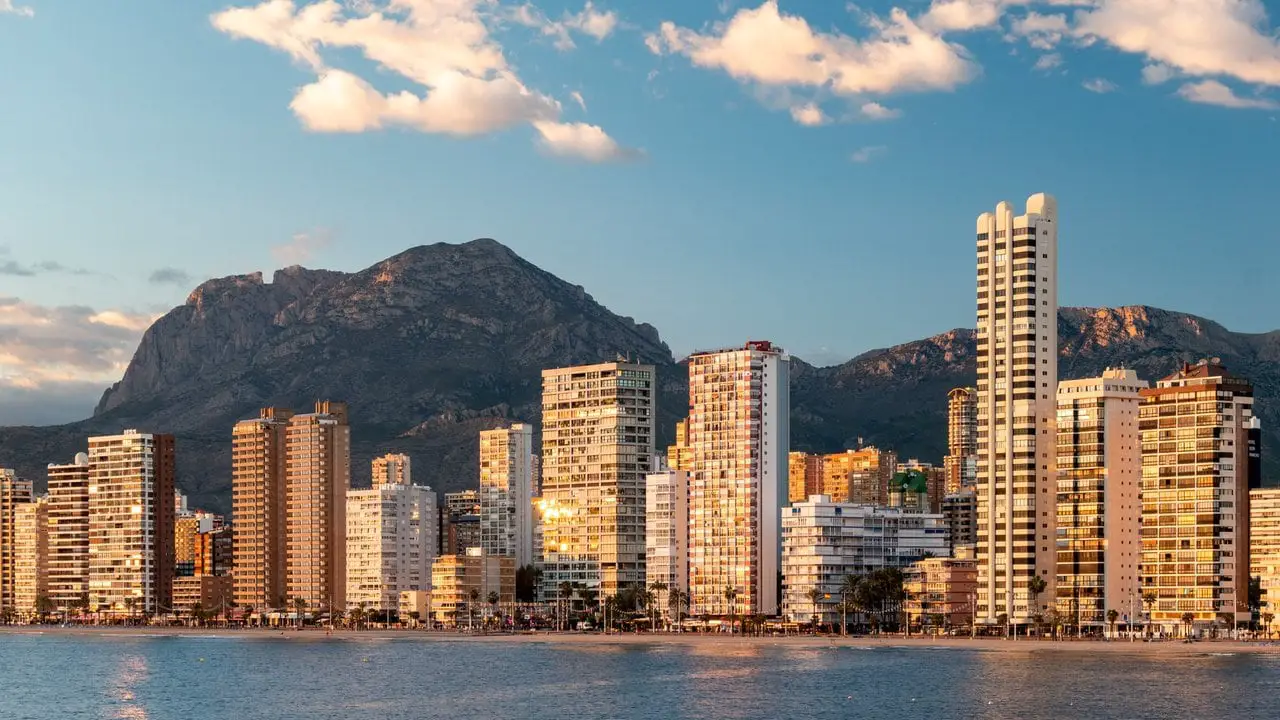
<point x="257" y="509"/>
<point x="392" y="536"/>
<point x="69" y="534"/>
<point x="131" y="514"/>
<point x="14" y="492"/>
<point x="1099" y="498"/>
<point x="738" y="436"/>
<point x="1017" y="347"/>
<point x="1200" y="459"/>
<point x="317" y="477"/>
<point x="597" y="447"/>
<point x="506" y="492"/>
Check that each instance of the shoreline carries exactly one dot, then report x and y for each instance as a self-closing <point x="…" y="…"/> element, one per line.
<point x="572" y="639"/>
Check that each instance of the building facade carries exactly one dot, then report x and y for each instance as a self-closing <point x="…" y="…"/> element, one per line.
<point x="961" y="512"/>
<point x="15" y="492"/>
<point x="210" y="594"/>
<point x="506" y="492"/>
<point x="317" y="478"/>
<point x="1201" y="456"/>
<point x="31" y="564"/>
<point x="739" y="438"/>
<point x="392" y="469"/>
<point x="1099" y="497"/>
<point x="462" y="531"/>
<point x="597" y="447"/>
<point x="455" y="578"/>
<point x="391" y="542"/>
<point x="1017" y="347"/>
<point x="859" y="476"/>
<point x="1264" y="546"/>
<point x="940" y="593"/>
<point x="961" y="462"/>
<point x="131" y="519"/>
<point x="258" y="510"/>
<point x="804" y="476"/>
<point x="69" y="534"/>
<point x="824" y="541"/>
<point x="667" y="530"/>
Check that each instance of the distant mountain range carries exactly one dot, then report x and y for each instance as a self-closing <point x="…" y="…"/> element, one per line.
<point x="441" y="341"/>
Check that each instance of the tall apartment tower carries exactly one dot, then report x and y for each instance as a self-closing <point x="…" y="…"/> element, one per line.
<point x="31" y="566"/>
<point x="392" y="536"/>
<point x="858" y="476"/>
<point x="317" y="477"/>
<point x="597" y="447"/>
<point x="131" y="519"/>
<point x="961" y="462"/>
<point x="1264" y="546"/>
<point x="14" y="492"/>
<point x="1017" y="344"/>
<point x="1099" y="497"/>
<point x="69" y="533"/>
<point x="804" y="476"/>
<point x="667" y="530"/>
<point x="739" y="435"/>
<point x="392" y="469"/>
<point x="258" y="510"/>
<point x="506" y="492"/>
<point x="1201" y="455"/>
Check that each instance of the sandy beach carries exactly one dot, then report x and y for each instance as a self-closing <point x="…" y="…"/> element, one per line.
<point x="1171" y="648"/>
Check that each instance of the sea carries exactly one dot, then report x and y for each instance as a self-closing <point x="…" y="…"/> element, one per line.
<point x="243" y="677"/>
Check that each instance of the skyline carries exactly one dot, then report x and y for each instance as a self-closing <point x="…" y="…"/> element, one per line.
<point x="199" y="165"/>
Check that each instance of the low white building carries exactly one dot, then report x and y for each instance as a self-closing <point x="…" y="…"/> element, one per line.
<point x="392" y="538"/>
<point x="667" y="531"/>
<point x="823" y="542"/>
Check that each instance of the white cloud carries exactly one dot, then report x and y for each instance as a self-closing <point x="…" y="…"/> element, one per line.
<point x="1156" y="73"/>
<point x="1099" y="85"/>
<point x="1048" y="62"/>
<point x="868" y="153"/>
<point x="1042" y="32"/>
<point x="302" y="247"/>
<point x="961" y="15"/>
<point x="588" y="21"/>
<point x="442" y="46"/>
<point x="769" y="48"/>
<point x="8" y="8"/>
<point x="1196" y="37"/>
<point x="808" y="114"/>
<point x="577" y="97"/>
<point x="583" y="142"/>
<point x="43" y="347"/>
<point x="1212" y="92"/>
<point x="876" y="111"/>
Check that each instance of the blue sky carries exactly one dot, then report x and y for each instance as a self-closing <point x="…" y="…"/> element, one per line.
<point x="802" y="171"/>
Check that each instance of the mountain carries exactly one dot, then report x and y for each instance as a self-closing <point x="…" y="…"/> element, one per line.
<point x="439" y="342"/>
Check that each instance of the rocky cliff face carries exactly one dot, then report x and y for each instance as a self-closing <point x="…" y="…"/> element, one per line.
<point x="439" y="342"/>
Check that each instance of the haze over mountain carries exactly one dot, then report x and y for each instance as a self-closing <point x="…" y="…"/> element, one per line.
<point x="436" y="343"/>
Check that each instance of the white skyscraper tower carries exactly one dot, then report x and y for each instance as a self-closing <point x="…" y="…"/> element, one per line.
<point x="1017" y="383"/>
<point x="506" y="492"/>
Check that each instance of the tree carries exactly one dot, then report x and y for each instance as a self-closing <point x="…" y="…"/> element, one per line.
<point x="814" y="596"/>
<point x="657" y="588"/>
<point x="300" y="605"/>
<point x="1112" y="616"/>
<point x="1188" y="619"/>
<point x="197" y="613"/>
<point x="474" y="597"/>
<point x="676" y="600"/>
<point x="730" y="595"/>
<point x="246" y="611"/>
<point x="1003" y="621"/>
<point x="1035" y="586"/>
<point x="566" y="592"/>
<point x="1149" y="599"/>
<point x="493" y="599"/>
<point x="1267" y="618"/>
<point x="44" y="606"/>
<point x="849" y="594"/>
<point x="528" y="578"/>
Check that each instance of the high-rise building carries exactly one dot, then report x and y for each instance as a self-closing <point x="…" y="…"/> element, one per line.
<point x="961" y="462"/>
<point x="667" y="530"/>
<point x="14" y="492"/>
<point x="824" y="541"/>
<point x="31" y="564"/>
<point x="214" y="553"/>
<point x="804" y="476"/>
<point x="1017" y="343"/>
<point x="859" y="476"/>
<point x="1099" y="497"/>
<point x="961" y="511"/>
<point x="462" y="531"/>
<point x="1264" y="547"/>
<point x="185" y="528"/>
<point x="69" y="534"/>
<point x="454" y="577"/>
<point x="258" y="510"/>
<point x="506" y="492"/>
<point x="391" y="543"/>
<point x="678" y="457"/>
<point x="317" y="478"/>
<point x="739" y="435"/>
<point x="131" y="514"/>
<point x="597" y="447"/>
<point x="1201" y="455"/>
<point x="392" y="469"/>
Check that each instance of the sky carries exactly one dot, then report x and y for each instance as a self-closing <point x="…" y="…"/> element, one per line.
<point x="804" y="171"/>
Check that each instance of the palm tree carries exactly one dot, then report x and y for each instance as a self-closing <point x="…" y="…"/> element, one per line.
<point x="814" y="596"/>
<point x="1188" y="619"/>
<point x="247" y="610"/>
<point x="493" y="599"/>
<point x="474" y="596"/>
<point x="1035" y="586"/>
<point x="1149" y="599"/>
<point x="1003" y="620"/>
<point x="675" y="600"/>
<point x="849" y="591"/>
<point x="657" y="588"/>
<point x="566" y="592"/>
<point x="729" y="596"/>
<point x="1267" y="618"/>
<point x="197" y="613"/>
<point x="1112" y="616"/>
<point x="300" y="605"/>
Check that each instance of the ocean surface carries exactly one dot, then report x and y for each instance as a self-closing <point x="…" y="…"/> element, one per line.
<point x="244" y="678"/>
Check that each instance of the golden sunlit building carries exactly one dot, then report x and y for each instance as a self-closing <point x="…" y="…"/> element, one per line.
<point x="940" y="593"/>
<point x="14" y="492"/>
<point x="859" y="476"/>
<point x="31" y="564"/>
<point x="69" y="534"/>
<point x="961" y="462"/>
<point x="257" y="510"/>
<point x="1264" y="546"/>
<point x="804" y="476"/>
<point x="317" y="478"/>
<point x="506" y="492"/>
<point x="461" y="584"/>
